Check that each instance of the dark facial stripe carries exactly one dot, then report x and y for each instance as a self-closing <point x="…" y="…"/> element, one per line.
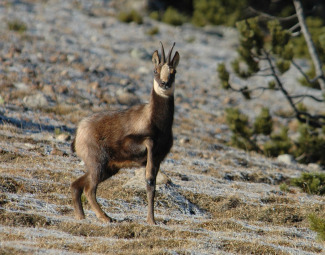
<point x="165" y="85"/>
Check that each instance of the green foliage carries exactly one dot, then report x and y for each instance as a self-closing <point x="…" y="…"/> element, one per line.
<point x="217" y="12"/>
<point x="272" y="84"/>
<point x="173" y="17"/>
<point x="223" y="75"/>
<point x="251" y="43"/>
<point x="153" y="31"/>
<point x="310" y="146"/>
<point x="318" y="225"/>
<point x="284" y="187"/>
<point x="302" y="107"/>
<point x="311" y="183"/>
<point x="131" y="16"/>
<point x="238" y="124"/>
<point x="273" y="44"/>
<point x="154" y="15"/>
<point x="311" y="74"/>
<point x="317" y="30"/>
<point x="263" y="123"/>
<point x="17" y="25"/>
<point x="278" y="144"/>
<point x="283" y="65"/>
<point x="279" y="39"/>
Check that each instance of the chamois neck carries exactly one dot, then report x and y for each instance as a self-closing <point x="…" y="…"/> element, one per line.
<point x="162" y="110"/>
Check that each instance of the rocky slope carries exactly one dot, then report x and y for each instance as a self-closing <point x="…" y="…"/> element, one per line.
<point x="75" y="58"/>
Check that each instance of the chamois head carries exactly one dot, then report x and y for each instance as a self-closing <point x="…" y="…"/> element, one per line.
<point x="164" y="72"/>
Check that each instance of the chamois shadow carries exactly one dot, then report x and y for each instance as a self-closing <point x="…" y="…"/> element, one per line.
<point x="32" y="126"/>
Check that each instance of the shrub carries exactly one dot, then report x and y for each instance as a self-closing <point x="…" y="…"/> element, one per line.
<point x="17" y="25"/>
<point x="153" y="31"/>
<point x="310" y="145"/>
<point x="223" y="75"/>
<point x="131" y="16"/>
<point x="284" y="187"/>
<point x="278" y="144"/>
<point x="173" y="17"/>
<point x="317" y="225"/>
<point x="154" y="15"/>
<point x="238" y="124"/>
<point x="217" y="12"/>
<point x="263" y="123"/>
<point x="310" y="73"/>
<point x="311" y="183"/>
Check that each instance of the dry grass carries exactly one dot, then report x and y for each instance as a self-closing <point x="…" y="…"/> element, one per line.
<point x="46" y="179"/>
<point x="218" y="199"/>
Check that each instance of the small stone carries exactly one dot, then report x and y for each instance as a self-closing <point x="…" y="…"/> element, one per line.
<point x="58" y="152"/>
<point x="62" y="89"/>
<point x="143" y="70"/>
<point x="127" y="98"/>
<point x="38" y="100"/>
<point x="286" y="158"/>
<point x="63" y="137"/>
<point x="64" y="72"/>
<point x="54" y="58"/>
<point x="184" y="140"/>
<point x="48" y="89"/>
<point x="138" y="181"/>
<point x="21" y="86"/>
<point x="94" y="85"/>
<point x="124" y="82"/>
<point x="314" y="167"/>
<point x="140" y="53"/>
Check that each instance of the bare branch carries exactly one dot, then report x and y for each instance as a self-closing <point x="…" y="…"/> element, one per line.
<point x="294" y="27"/>
<point x="309" y="96"/>
<point x="304" y="74"/>
<point x="266" y="16"/>
<point x="310" y="44"/>
<point x="305" y="117"/>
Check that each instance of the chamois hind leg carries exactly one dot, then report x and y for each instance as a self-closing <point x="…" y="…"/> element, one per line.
<point x="77" y="188"/>
<point x="94" y="178"/>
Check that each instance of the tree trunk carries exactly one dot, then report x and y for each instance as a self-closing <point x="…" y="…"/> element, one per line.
<point x="310" y="44"/>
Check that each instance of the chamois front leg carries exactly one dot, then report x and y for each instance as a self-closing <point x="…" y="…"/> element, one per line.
<point x="151" y="173"/>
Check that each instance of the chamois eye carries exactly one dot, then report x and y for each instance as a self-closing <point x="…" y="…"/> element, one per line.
<point x="155" y="71"/>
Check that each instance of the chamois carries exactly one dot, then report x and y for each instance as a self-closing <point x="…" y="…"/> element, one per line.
<point x="139" y="136"/>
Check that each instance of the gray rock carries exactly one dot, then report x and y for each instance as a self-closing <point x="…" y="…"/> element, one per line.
<point x="287" y="159"/>
<point x="140" y="53"/>
<point x="138" y="181"/>
<point x="314" y="167"/>
<point x="38" y="100"/>
<point x="125" y="97"/>
<point x="21" y="86"/>
<point x="63" y="137"/>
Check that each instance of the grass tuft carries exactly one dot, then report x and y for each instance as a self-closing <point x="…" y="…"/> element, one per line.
<point x="17" y="26"/>
<point x="318" y="225"/>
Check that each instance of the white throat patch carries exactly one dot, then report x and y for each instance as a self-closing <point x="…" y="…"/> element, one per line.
<point x="163" y="92"/>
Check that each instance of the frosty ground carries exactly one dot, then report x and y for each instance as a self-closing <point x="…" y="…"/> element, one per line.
<point x="76" y="58"/>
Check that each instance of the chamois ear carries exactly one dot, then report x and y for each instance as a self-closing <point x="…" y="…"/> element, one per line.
<point x="175" y="60"/>
<point x="155" y="58"/>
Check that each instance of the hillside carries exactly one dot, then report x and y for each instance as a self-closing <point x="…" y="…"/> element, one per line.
<point x="74" y="58"/>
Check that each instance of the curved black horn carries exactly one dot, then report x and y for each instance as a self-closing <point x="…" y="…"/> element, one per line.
<point x="163" y="57"/>
<point x="170" y="53"/>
